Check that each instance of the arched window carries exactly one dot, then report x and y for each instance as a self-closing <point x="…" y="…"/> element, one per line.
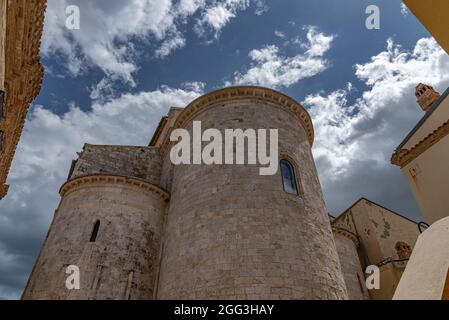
<point x="93" y="236"/>
<point x="288" y="177"/>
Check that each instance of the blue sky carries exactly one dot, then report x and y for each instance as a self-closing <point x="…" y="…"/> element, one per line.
<point x="112" y="80"/>
<point x="213" y="61"/>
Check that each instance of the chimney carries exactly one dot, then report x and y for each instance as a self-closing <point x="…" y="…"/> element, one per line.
<point x="426" y="96"/>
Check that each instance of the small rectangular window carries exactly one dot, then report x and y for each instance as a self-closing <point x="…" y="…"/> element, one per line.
<point x="94" y="234"/>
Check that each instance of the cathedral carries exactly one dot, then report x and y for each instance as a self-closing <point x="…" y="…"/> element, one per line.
<point x="139" y="227"/>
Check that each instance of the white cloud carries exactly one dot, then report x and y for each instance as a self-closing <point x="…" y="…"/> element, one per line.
<point x="404" y="9"/>
<point x="189" y="7"/>
<point x="105" y="30"/>
<point x="356" y="139"/>
<point x="196" y="86"/>
<point x="270" y="68"/>
<point x="170" y="45"/>
<point x="109" y="30"/>
<point x="217" y="15"/>
<point x="261" y="7"/>
<point x="279" y="34"/>
<point x="104" y="89"/>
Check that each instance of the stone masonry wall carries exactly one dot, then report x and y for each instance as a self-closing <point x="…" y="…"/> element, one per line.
<point x="122" y="263"/>
<point x="227" y="232"/>
<point x="351" y="268"/>
<point x="139" y="162"/>
<point x="232" y="233"/>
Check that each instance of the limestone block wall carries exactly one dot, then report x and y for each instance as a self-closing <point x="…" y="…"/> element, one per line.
<point x="227" y="231"/>
<point x="122" y="263"/>
<point x="350" y="264"/>
<point x="231" y="233"/>
<point x="132" y="161"/>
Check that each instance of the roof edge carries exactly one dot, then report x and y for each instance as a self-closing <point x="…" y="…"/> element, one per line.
<point x="377" y="204"/>
<point x="435" y="106"/>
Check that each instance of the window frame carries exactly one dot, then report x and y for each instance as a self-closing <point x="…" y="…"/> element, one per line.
<point x="295" y="173"/>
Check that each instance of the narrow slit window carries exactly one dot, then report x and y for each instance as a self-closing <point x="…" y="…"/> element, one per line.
<point x="288" y="177"/>
<point x="93" y="236"/>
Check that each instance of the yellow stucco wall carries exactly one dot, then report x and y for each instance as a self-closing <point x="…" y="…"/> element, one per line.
<point x="389" y="229"/>
<point x="435" y="120"/>
<point x="433" y="15"/>
<point x="379" y="229"/>
<point x="390" y="275"/>
<point x="428" y="177"/>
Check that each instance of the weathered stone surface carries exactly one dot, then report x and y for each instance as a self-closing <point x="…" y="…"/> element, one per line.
<point x="232" y="233"/>
<point x="138" y="162"/>
<point x="350" y="264"/>
<point x="379" y="231"/>
<point x="123" y="262"/>
<point x="21" y="25"/>
<point x="227" y="232"/>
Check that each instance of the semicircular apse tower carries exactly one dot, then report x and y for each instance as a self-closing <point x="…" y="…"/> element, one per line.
<point x="233" y="233"/>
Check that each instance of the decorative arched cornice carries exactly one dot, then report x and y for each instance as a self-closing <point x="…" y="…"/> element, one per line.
<point x="87" y="180"/>
<point x="238" y="93"/>
<point x="403" y="157"/>
<point x="348" y="234"/>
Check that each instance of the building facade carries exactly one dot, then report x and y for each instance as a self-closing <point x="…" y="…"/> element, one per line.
<point x="423" y="157"/>
<point x="139" y="227"/>
<point x="384" y="239"/>
<point x="427" y="274"/>
<point x="424" y="154"/>
<point x="21" y="25"/>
